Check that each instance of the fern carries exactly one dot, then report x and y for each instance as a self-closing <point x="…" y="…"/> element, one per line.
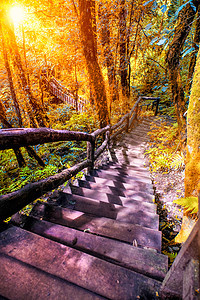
<point x="190" y="204"/>
<point x="178" y="162"/>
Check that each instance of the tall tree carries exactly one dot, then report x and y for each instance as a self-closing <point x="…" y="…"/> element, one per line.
<point x="93" y="68"/>
<point x="182" y="29"/>
<point x="192" y="171"/>
<point x="10" y="79"/>
<point x="104" y="18"/>
<point x="123" y="65"/>
<point x="195" y="45"/>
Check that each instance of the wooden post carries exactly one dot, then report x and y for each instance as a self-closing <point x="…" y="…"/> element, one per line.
<point x="127" y="123"/>
<point x="157" y="103"/>
<point x="90" y="153"/>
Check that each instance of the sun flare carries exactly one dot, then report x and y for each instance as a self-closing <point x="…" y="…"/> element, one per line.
<point x="17" y="14"/>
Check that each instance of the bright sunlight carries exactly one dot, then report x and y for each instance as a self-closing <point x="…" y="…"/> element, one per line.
<point x="17" y="14"/>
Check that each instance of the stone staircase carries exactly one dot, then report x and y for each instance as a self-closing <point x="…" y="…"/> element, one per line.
<point x="98" y="240"/>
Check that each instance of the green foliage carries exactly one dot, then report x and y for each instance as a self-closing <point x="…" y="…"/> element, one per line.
<point x="189" y="203"/>
<point x="163" y="152"/>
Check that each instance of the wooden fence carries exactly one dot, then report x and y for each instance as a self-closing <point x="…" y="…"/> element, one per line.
<point x="61" y="92"/>
<point x="21" y="137"/>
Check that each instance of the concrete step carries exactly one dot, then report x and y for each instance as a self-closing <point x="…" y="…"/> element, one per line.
<point x="122" y="231"/>
<point x="143" y="261"/>
<point x="70" y="265"/>
<point x="130" y="214"/>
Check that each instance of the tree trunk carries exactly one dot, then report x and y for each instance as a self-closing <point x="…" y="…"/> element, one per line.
<point x="93" y="68"/>
<point x="38" y="111"/>
<point x="12" y="90"/>
<point x="182" y="30"/>
<point x="195" y="45"/>
<point x="192" y="171"/>
<point x="108" y="56"/>
<point x="6" y="124"/>
<point x="123" y="64"/>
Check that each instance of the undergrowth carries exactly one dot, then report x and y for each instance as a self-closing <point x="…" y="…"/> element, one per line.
<point x="164" y="152"/>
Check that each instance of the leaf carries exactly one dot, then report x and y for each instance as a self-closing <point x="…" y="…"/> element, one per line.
<point x="189" y="203"/>
<point x="147" y="2"/>
<point x="180" y="8"/>
<point x="164" y="88"/>
<point x="148" y="26"/>
<point x="188" y="51"/>
<point x="163" y="8"/>
<point x="192" y="5"/>
<point x="153" y="41"/>
<point x="161" y="42"/>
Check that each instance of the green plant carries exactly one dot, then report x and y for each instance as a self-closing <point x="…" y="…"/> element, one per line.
<point x="190" y="204"/>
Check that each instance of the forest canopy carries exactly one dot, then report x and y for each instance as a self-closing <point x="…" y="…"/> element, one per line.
<point x="108" y="52"/>
<point x="102" y="54"/>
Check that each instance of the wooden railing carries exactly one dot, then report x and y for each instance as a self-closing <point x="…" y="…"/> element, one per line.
<point x="61" y="92"/>
<point x="183" y="279"/>
<point x="21" y="137"/>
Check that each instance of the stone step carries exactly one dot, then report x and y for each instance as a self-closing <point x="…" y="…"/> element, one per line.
<point x="133" y="189"/>
<point x="143" y="170"/>
<point x="122" y="231"/>
<point x="139" y="171"/>
<point x="121" y="158"/>
<point x="137" y="175"/>
<point x="104" y="194"/>
<point x="146" y="183"/>
<point x="140" y="260"/>
<point x="136" y="136"/>
<point x="70" y="265"/>
<point x="140" y="199"/>
<point x="130" y="214"/>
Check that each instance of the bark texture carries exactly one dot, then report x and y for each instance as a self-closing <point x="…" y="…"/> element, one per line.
<point x="192" y="171"/>
<point x="86" y="7"/>
<point x="181" y="32"/>
<point x="108" y="56"/>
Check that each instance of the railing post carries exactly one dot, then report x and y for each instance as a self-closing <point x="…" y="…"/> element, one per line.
<point x="90" y="153"/>
<point x="157" y="103"/>
<point x="127" y="123"/>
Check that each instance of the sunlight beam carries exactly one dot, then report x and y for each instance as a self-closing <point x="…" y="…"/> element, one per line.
<point x="17" y="14"/>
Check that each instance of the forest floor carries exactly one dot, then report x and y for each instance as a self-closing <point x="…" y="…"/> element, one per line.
<point x="168" y="186"/>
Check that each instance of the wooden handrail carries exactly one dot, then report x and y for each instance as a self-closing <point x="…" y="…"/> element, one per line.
<point x="13" y="202"/>
<point x="172" y="287"/>
<point x="183" y="279"/>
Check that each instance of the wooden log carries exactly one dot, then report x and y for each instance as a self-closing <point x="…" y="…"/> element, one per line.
<point x="101" y="131"/>
<point x="135" y="105"/>
<point x="127" y="125"/>
<point x="103" y="146"/>
<point x="21" y="137"/>
<point x="13" y="202"/>
<point x="120" y="130"/>
<point x="90" y="153"/>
